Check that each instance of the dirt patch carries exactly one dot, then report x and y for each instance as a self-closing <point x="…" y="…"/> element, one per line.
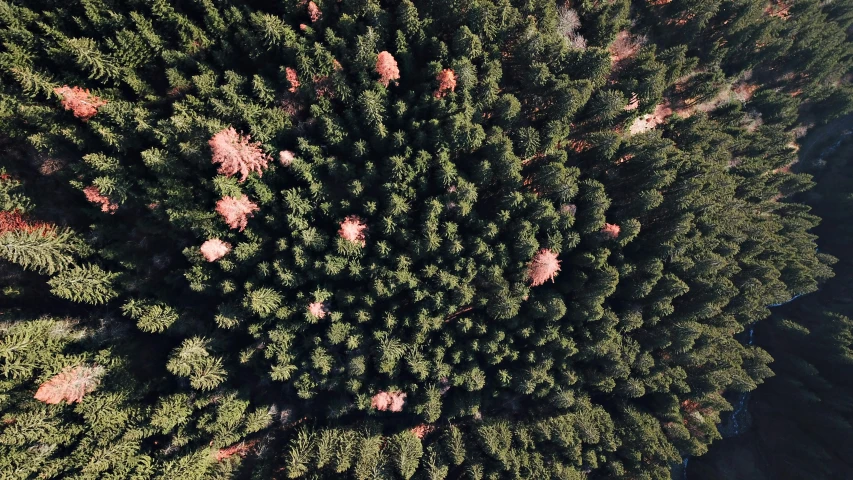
<point x="625" y="46"/>
<point x="778" y="10"/>
<point x="743" y="91"/>
<point x="651" y="120"/>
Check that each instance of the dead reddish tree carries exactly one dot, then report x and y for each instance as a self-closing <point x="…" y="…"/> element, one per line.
<point x="236" y="211"/>
<point x="422" y="430"/>
<point x="352" y="229"/>
<point x="318" y="309"/>
<point x="314" y="12"/>
<point x="235" y="154"/>
<point x="70" y="385"/>
<point x="82" y="104"/>
<point x="387" y="68"/>
<point x="390" y="401"/>
<point x="543" y="267"/>
<point x="214" y="249"/>
<point x="611" y="230"/>
<point x="446" y="82"/>
<point x="286" y="157"/>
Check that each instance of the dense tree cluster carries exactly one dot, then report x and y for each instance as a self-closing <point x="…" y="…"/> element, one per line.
<point x="467" y="261"/>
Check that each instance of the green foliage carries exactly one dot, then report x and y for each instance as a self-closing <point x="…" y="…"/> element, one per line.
<point x="85" y="284"/>
<point x="407" y="451"/>
<point x="42" y="249"/>
<point x="193" y="360"/>
<point x="150" y="317"/>
<point x="807" y="401"/>
<point x="99" y="438"/>
<point x="11" y="196"/>
<point x="286" y="349"/>
<point x="607" y="105"/>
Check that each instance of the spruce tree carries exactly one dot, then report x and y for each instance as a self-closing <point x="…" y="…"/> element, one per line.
<point x="404" y="239"/>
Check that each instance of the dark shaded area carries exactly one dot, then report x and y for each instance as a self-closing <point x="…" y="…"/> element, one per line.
<point x="801" y="418"/>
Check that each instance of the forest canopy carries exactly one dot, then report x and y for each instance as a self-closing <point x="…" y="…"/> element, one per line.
<point x="394" y="239"/>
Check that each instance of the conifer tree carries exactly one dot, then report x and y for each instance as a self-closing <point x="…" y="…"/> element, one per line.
<point x="464" y="230"/>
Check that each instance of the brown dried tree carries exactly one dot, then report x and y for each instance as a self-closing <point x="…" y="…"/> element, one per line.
<point x="82" y="104"/>
<point x="70" y="385"/>
<point x="235" y="154"/>
<point x="543" y="267"/>
<point x="387" y="68"/>
<point x="236" y="211"/>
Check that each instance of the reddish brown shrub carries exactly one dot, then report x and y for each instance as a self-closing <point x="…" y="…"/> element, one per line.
<point x="579" y="146"/>
<point x="649" y="121"/>
<point x="12" y="221"/>
<point x="241" y="449"/>
<point x="445" y="385"/>
<point x="625" y="46"/>
<point x="611" y="230"/>
<point x="779" y="9"/>
<point x="236" y="211"/>
<point x="323" y="86"/>
<point x="624" y="158"/>
<point x="50" y="165"/>
<point x="235" y="154"/>
<point x="82" y="104"/>
<point x="93" y="194"/>
<point x="292" y="78"/>
<point x="689" y="406"/>
<point x="543" y="267"/>
<point x="71" y="384"/>
<point x="387" y="68"/>
<point x="743" y="91"/>
<point x="15" y="220"/>
<point x="292" y="107"/>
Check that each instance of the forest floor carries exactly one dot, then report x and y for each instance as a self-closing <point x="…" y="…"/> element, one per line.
<point x="825" y="152"/>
